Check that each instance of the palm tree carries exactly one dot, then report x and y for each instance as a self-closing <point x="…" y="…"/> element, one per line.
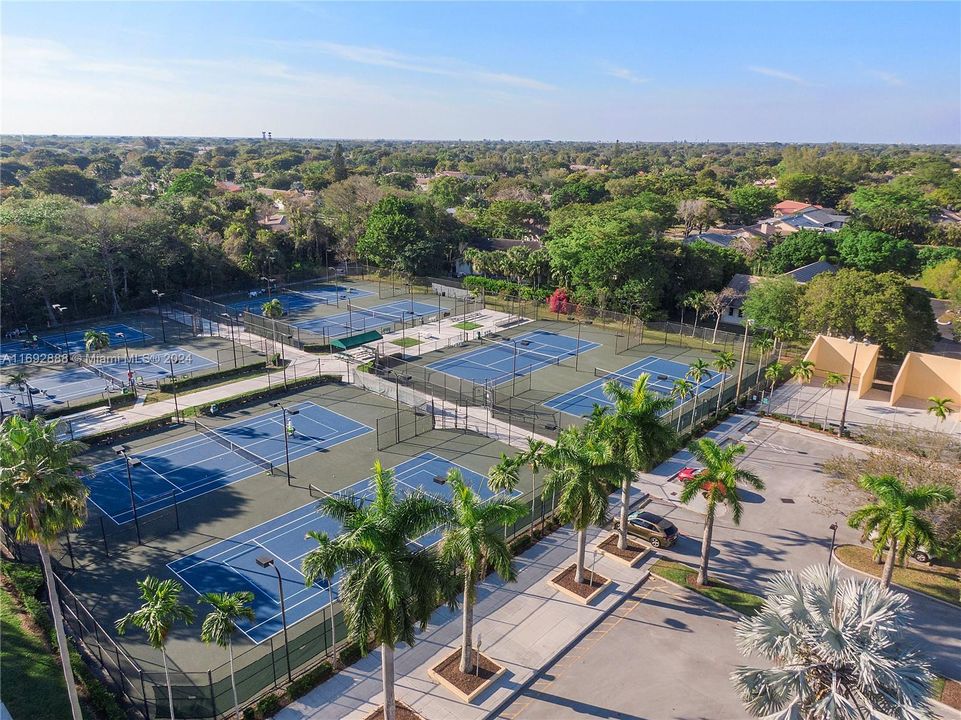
<point x="772" y="374"/>
<point x="273" y="309"/>
<point x="723" y="363"/>
<point x="20" y="381"/>
<point x="636" y="434"/>
<point x="764" y="345"/>
<point x="940" y="408"/>
<point x="695" y="301"/>
<point x="96" y="340"/>
<point x="698" y="372"/>
<point x="504" y="476"/>
<point x="533" y="458"/>
<point x="475" y="540"/>
<point x="221" y="623"/>
<point x="681" y="389"/>
<point x="41" y="496"/>
<point x="802" y="372"/>
<point x="717" y="483"/>
<point x="388" y="586"/>
<point x="160" y="610"/>
<point x="582" y="469"/>
<point x="833" y="648"/>
<point x="895" y="521"/>
<point x="831" y="381"/>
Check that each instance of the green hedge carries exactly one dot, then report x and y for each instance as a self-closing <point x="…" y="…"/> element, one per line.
<point x="476" y="283"/>
<point x="117" y="402"/>
<point x="211" y="378"/>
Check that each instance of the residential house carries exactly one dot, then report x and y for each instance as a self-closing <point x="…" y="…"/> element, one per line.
<point x="740" y="285"/>
<point x="790" y="207"/>
<point x="275" y="223"/>
<point x="227" y="186"/>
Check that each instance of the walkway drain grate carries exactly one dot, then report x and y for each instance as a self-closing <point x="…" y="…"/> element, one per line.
<point x="787" y="501"/>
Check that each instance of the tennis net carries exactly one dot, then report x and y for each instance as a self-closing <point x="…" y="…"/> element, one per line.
<point x="308" y="295"/>
<point x="658" y="383"/>
<point x="97" y="371"/>
<point x="526" y="353"/>
<point x="51" y="346"/>
<point x="234" y="447"/>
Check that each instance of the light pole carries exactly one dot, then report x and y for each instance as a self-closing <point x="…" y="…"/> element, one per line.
<point x="126" y="352"/>
<point x="844" y="411"/>
<point x="577" y="349"/>
<point x="160" y="312"/>
<point x="122" y="450"/>
<point x="350" y="315"/>
<point x="61" y="310"/>
<point x="834" y="535"/>
<point x="285" y="413"/>
<point x="233" y="343"/>
<point x="266" y="561"/>
<point x="403" y="329"/>
<point x="740" y="367"/>
<point x="173" y="389"/>
<point x="268" y="281"/>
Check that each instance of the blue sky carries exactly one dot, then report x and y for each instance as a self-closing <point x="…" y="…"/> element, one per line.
<point x="867" y="72"/>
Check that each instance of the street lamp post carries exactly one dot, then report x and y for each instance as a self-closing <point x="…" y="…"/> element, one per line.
<point x="285" y="412"/>
<point x="847" y="392"/>
<point x="163" y="329"/>
<point x="173" y="389"/>
<point x="126" y="352"/>
<point x="130" y="462"/>
<point x="266" y="561"/>
<point x="834" y="535"/>
<point x="740" y="367"/>
<point x="577" y="349"/>
<point x="61" y="310"/>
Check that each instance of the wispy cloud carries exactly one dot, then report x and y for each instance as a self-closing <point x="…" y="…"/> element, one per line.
<point x="887" y="78"/>
<point x="625" y="74"/>
<point x="779" y="74"/>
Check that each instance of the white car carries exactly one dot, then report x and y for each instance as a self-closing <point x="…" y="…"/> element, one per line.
<point x="921" y="553"/>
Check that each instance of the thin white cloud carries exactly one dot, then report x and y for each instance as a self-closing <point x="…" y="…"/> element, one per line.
<point x="779" y="74"/>
<point x="887" y="78"/>
<point x="626" y="74"/>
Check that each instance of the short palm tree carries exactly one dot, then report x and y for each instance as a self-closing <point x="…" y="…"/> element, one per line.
<point x="723" y="363"/>
<point x="802" y="372"/>
<point x="389" y="585"/>
<point x="41" y="496"/>
<point x="533" y="457"/>
<point x="160" y="610"/>
<point x="636" y="434"/>
<point x="475" y="540"/>
<point x="221" y="623"/>
<point x="504" y="476"/>
<point x="21" y="382"/>
<point x="717" y="483"/>
<point x="834" y="648"/>
<point x="831" y="381"/>
<point x="698" y="372"/>
<point x="582" y="470"/>
<point x="764" y="345"/>
<point x="681" y="390"/>
<point x="895" y="520"/>
<point x="96" y="340"/>
<point x="940" y="407"/>
<point x="772" y="374"/>
<point x="273" y="309"/>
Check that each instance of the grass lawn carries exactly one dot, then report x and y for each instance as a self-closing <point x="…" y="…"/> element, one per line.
<point x="33" y="685"/>
<point x="405" y="342"/>
<point x="939" y="581"/>
<point x="684" y="575"/>
<point x="467" y="325"/>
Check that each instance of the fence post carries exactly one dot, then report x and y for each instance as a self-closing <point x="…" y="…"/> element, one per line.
<point x="103" y="533"/>
<point x="143" y="689"/>
<point x="213" y="697"/>
<point x="273" y="662"/>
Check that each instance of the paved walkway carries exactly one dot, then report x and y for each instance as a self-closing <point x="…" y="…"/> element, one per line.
<point x="523" y="625"/>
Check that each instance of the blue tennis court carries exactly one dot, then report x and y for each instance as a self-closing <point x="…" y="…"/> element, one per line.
<point x="361" y="319"/>
<point x="48" y="347"/>
<point x="297" y="300"/>
<point x="27" y="352"/>
<point x="580" y="401"/>
<point x="202" y="463"/>
<point x="54" y="388"/>
<point x="231" y="565"/>
<point x="151" y="367"/>
<point x="498" y="359"/>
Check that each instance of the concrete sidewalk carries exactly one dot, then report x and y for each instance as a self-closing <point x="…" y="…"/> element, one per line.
<point x="523" y="625"/>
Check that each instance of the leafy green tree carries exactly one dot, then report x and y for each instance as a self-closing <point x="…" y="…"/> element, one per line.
<point x="866" y="670"/>
<point x="816" y="189"/>
<point x="21" y="381"/>
<point x="389" y="585"/>
<point x="474" y="540"/>
<point x="505" y="474"/>
<point x="944" y="280"/>
<point x="895" y="521"/>
<point x="799" y="249"/>
<point x="582" y="470"/>
<point x="67" y="181"/>
<point x="717" y="483"/>
<point x="698" y="372"/>
<point x="772" y="374"/>
<point x="448" y="191"/>
<point x="533" y="457"/>
<point x="338" y="164"/>
<point x="405" y="233"/>
<point x="876" y="252"/>
<point x="894" y="208"/>
<point x="681" y="390"/>
<point x="802" y="372"/>
<point x="42" y="496"/>
<point x="190" y="182"/>
<point x="831" y="381"/>
<point x="273" y="309"/>
<point x="95" y="340"/>
<point x="636" y="433"/>
<point x="580" y="189"/>
<point x="220" y="624"/>
<point x="751" y="203"/>
<point x="160" y="610"/>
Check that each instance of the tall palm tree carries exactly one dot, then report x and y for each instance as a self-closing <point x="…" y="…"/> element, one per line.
<point x="834" y="648"/>
<point x="533" y="457"/>
<point x="41" y="496"/>
<point x="475" y="540"/>
<point x="894" y="521"/>
<point x="504" y="476"/>
<point x="764" y="345"/>
<point x="772" y="374"/>
<point x="940" y="407"/>
<point x="681" y="390"/>
<point x="273" y="309"/>
<point x="96" y="340"/>
<point x="160" y="610"/>
<point x="698" y="372"/>
<point x="717" y="483"/>
<point x="831" y="381"/>
<point x="695" y="301"/>
<point x="802" y="372"/>
<point x="21" y="382"/>
<point x="221" y="623"/>
<point x="636" y="434"/>
<point x="582" y="469"/>
<point x="388" y="586"/>
<point x="723" y="363"/>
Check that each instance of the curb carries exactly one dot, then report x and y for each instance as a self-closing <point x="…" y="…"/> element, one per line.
<point x="899" y="587"/>
<point x="700" y="595"/>
<point x="553" y="660"/>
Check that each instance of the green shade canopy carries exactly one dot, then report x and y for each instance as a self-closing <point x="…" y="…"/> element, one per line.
<point x="348" y="343"/>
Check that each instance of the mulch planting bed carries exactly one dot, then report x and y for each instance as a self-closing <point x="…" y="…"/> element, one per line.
<point x="449" y="670"/>
<point x="403" y="713"/>
<point x="585" y="589"/>
<point x="633" y="552"/>
<point x="952" y="694"/>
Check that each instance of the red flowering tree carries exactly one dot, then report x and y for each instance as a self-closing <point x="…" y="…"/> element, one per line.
<point x="559" y="302"/>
